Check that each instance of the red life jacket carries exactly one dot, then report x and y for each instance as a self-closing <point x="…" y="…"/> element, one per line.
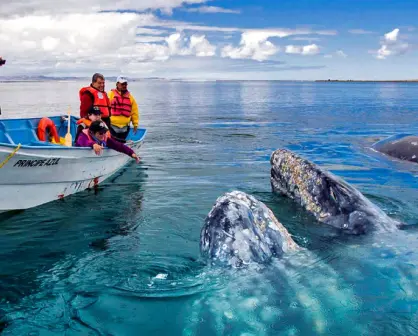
<point x="101" y="100"/>
<point x="121" y="104"/>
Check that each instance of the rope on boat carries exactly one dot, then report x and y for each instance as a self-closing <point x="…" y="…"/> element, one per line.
<point x="10" y="156"/>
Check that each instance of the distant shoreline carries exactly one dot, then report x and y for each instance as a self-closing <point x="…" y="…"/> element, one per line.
<point x="10" y="79"/>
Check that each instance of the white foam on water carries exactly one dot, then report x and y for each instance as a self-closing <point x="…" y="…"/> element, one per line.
<point x="161" y="276"/>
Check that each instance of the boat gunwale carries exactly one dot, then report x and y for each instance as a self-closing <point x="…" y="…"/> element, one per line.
<point x="55" y="147"/>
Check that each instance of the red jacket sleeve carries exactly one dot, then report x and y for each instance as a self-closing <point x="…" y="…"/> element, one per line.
<point x="85" y="104"/>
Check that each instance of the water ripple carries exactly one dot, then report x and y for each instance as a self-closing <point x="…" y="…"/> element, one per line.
<point x="125" y="257"/>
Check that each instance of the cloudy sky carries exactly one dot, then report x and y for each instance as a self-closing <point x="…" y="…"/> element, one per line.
<point x="210" y="39"/>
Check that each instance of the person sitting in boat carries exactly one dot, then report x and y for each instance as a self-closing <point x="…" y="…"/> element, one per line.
<point x="123" y="110"/>
<point x="95" y="95"/>
<point x="97" y="137"/>
<point x="83" y="123"/>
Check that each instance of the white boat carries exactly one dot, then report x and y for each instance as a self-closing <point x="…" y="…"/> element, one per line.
<point x="34" y="172"/>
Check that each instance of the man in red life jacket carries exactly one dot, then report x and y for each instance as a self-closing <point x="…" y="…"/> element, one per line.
<point x="95" y="96"/>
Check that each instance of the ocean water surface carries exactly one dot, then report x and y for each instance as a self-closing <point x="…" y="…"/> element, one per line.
<point x="124" y="260"/>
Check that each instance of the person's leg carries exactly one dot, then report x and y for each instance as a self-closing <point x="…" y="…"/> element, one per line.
<point x="124" y="135"/>
<point x="117" y="135"/>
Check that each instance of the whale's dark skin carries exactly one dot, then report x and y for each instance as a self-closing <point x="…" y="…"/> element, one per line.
<point x="330" y="199"/>
<point x="404" y="148"/>
<point x="240" y="230"/>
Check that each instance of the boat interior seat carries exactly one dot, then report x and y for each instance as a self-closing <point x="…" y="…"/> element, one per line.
<point x="5" y="136"/>
<point x="23" y="133"/>
<point x="15" y="133"/>
<point x="23" y="136"/>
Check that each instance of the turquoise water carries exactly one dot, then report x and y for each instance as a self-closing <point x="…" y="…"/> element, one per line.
<point x="125" y="260"/>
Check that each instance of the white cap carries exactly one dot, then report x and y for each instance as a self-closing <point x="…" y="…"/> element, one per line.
<point x="121" y="79"/>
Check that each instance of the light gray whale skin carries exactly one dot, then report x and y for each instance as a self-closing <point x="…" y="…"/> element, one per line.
<point x="402" y="147"/>
<point x="330" y="199"/>
<point x="240" y="230"/>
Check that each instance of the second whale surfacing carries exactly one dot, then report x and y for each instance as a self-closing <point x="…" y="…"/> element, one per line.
<point x="402" y="147"/>
<point x="330" y="199"/>
<point x="240" y="229"/>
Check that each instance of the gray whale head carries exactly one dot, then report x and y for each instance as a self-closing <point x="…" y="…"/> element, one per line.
<point x="330" y="199"/>
<point x="402" y="147"/>
<point x="240" y="229"/>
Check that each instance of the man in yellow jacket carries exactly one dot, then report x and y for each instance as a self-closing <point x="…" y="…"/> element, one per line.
<point x="123" y="110"/>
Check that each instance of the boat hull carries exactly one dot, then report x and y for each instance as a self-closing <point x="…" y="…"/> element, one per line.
<point x="34" y="176"/>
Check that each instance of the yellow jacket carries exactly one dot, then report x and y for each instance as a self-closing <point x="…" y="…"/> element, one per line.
<point x="122" y="121"/>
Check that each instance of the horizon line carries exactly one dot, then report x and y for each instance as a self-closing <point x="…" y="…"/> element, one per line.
<point x="37" y="78"/>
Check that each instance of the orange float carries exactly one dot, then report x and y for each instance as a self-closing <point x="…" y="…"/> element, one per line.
<point x="44" y="124"/>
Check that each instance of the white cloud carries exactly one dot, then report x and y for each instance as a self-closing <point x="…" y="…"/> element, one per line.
<point x="45" y="7"/>
<point x="383" y="52"/>
<point x="213" y="9"/>
<point x="360" y="31"/>
<point x="255" y="45"/>
<point x="149" y="38"/>
<point x="305" y="38"/>
<point x="66" y="36"/>
<point x="311" y="49"/>
<point x="107" y="41"/>
<point x="201" y="47"/>
<point x="341" y="53"/>
<point x="177" y="44"/>
<point x="223" y="68"/>
<point x="392" y="36"/>
<point x="277" y="32"/>
<point x="290" y="49"/>
<point x="180" y="26"/>
<point x="50" y="43"/>
<point x="144" y="52"/>
<point x="198" y="45"/>
<point x="338" y="53"/>
<point x="51" y="37"/>
<point x="391" y="45"/>
<point x="148" y="31"/>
